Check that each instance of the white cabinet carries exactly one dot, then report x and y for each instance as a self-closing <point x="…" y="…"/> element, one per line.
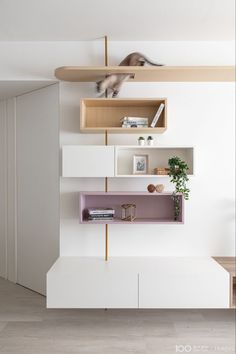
<point x="137" y="282"/>
<point x="87" y="161"/>
<point x="117" y="161"/>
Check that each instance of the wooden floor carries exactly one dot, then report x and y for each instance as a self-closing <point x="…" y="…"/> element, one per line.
<point x="27" y="327"/>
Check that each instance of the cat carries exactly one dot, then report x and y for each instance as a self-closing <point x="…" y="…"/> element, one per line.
<point x="114" y="82"/>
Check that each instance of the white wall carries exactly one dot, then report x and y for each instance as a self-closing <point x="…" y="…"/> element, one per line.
<point x="201" y="115"/>
<point x="37" y="60"/>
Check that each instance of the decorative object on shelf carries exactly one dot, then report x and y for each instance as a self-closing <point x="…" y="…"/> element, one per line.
<point x="134" y="122"/>
<point x="140" y="164"/>
<point x="178" y="174"/>
<point x="161" y="171"/>
<point x="128" y="212"/>
<point x="150" y="140"/>
<point x="160" y="188"/>
<point x="157" y="115"/>
<point x="151" y="188"/>
<point x="114" y="82"/>
<point x="141" y="141"/>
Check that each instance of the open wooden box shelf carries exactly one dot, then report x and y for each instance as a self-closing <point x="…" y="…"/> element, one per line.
<point x="151" y="208"/>
<point x="100" y="115"/>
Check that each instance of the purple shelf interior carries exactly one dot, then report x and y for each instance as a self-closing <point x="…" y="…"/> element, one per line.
<point x="150" y="207"/>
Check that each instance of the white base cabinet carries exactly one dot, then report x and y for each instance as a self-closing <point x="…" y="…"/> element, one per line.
<point x="137" y="282"/>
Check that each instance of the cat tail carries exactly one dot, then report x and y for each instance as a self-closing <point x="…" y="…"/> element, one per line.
<point x="150" y="62"/>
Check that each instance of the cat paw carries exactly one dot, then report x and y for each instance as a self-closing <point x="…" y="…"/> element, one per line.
<point x="115" y="94"/>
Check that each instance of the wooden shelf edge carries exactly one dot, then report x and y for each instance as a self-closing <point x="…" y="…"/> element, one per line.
<point x="123" y="130"/>
<point x="149" y="73"/>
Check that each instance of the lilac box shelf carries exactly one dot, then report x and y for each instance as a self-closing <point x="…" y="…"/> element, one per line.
<point x="151" y="208"/>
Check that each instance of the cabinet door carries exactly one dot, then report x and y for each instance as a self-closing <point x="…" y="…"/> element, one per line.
<point x="184" y="283"/>
<point x="37" y="147"/>
<point x="89" y="282"/>
<point x="87" y="161"/>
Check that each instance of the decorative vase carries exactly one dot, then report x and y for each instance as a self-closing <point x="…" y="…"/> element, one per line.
<point x="160" y="188"/>
<point x="141" y="142"/>
<point x="150" y="142"/>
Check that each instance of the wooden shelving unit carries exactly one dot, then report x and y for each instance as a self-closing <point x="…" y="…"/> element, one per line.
<point x="151" y="208"/>
<point x="148" y="73"/>
<point x="99" y="115"/>
<point x="229" y="264"/>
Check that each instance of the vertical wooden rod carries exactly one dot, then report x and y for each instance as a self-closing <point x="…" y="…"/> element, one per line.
<point x="106" y="51"/>
<point x="106" y="245"/>
<point x="106" y="226"/>
<point x="106" y="143"/>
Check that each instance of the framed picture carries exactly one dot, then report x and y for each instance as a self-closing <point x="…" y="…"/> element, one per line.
<point x="140" y="164"/>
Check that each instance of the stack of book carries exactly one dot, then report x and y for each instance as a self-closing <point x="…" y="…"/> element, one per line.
<point x="95" y="214"/>
<point x="134" y="122"/>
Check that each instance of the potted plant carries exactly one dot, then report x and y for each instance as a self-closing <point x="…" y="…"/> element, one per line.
<point x="178" y="174"/>
<point x="150" y="140"/>
<point x="141" y="140"/>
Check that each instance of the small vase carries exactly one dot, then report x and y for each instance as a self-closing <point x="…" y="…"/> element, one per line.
<point x="150" y="142"/>
<point x="141" y="142"/>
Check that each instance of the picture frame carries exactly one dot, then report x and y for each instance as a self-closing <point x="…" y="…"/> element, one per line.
<point x="140" y="164"/>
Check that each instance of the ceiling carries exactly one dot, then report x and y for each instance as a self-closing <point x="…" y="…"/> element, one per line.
<point x="157" y="20"/>
<point x="10" y="89"/>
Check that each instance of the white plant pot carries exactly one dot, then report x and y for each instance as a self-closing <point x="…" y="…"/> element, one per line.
<point x="141" y="142"/>
<point x="150" y="142"/>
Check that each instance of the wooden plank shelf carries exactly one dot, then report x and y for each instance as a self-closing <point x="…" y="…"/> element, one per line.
<point x="149" y="73"/>
<point x="151" y="208"/>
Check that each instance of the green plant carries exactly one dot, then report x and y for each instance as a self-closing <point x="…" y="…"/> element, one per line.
<point x="178" y="174"/>
<point x="150" y="137"/>
<point x="141" y="138"/>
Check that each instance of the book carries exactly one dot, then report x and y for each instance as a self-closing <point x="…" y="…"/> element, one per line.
<point x="97" y="216"/>
<point x="135" y="119"/>
<point x="157" y="115"/>
<point x="101" y="218"/>
<point x="98" y="211"/>
<point x="134" y="125"/>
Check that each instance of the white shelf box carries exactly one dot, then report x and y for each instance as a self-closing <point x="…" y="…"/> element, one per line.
<point x="157" y="157"/>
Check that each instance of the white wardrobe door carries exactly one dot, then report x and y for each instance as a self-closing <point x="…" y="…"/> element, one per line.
<point x="88" y="161"/>
<point x="37" y="135"/>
